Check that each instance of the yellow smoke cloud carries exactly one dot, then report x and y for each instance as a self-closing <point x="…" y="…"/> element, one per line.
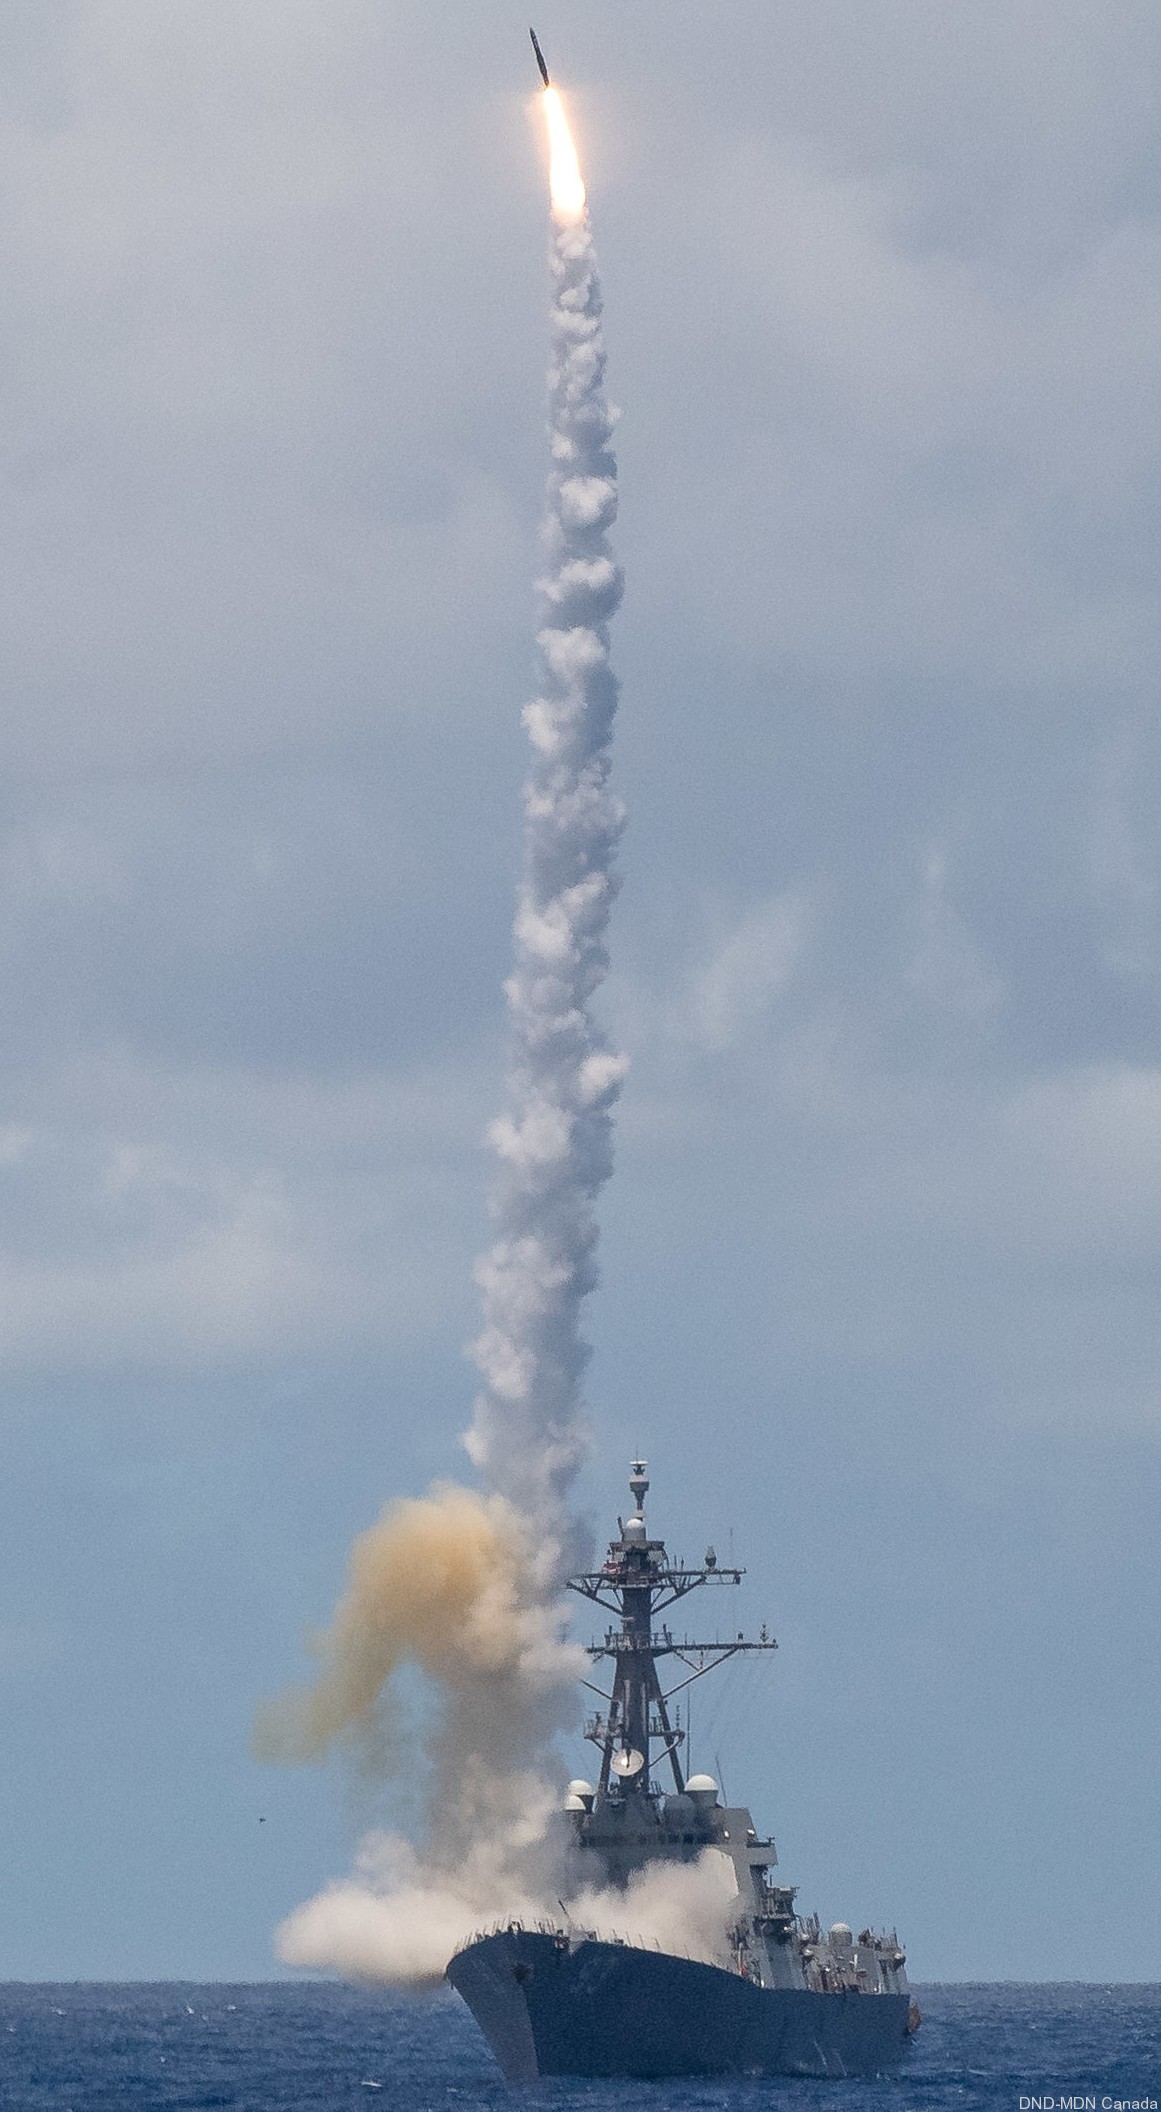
<point x="439" y="1582"/>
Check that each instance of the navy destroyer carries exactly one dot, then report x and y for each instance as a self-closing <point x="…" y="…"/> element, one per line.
<point x="785" y="1998"/>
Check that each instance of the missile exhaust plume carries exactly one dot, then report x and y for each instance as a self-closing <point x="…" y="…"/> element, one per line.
<point x="554" y="1143"/>
<point x="565" y="182"/>
<point x="467" y="1586"/>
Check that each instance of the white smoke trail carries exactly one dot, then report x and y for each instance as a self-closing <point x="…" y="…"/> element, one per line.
<point x="555" y="1141"/>
<point x="468" y="1587"/>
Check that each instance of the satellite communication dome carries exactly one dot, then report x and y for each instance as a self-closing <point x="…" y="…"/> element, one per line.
<point x="702" y="1787"/>
<point x="584" y="1790"/>
<point x="634" y="1534"/>
<point x="572" y="1803"/>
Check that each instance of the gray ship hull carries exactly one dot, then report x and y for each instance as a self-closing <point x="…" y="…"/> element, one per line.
<point x="610" y="2009"/>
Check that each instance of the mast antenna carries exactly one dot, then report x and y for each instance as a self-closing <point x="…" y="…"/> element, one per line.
<point x="636" y="1583"/>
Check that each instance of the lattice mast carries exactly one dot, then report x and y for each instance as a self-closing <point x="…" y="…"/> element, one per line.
<point x="638" y="1583"/>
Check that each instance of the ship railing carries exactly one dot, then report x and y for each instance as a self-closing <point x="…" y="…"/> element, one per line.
<point x="513" y="1926"/>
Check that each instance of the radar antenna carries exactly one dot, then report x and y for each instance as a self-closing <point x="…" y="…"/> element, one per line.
<point x="637" y="1582"/>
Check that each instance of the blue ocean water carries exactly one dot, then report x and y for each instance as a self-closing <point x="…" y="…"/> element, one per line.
<point x="316" y="2047"/>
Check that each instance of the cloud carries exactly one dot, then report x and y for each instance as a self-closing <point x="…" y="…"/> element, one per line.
<point x="948" y="969"/>
<point x="165" y="1221"/>
<point x="921" y="447"/>
<point x="1123" y="863"/>
<point x="751" y="961"/>
<point x="225" y="490"/>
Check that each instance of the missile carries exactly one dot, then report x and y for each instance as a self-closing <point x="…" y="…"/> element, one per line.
<point x="540" y="58"/>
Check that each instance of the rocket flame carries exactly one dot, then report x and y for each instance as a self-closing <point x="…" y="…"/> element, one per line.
<point x="565" y="181"/>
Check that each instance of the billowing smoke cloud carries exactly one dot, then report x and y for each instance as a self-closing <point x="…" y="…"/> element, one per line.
<point x="442" y="1583"/>
<point x="393" y="1921"/>
<point x="468" y="1587"/>
<point x="399" y="1917"/>
<point x="683" y="1907"/>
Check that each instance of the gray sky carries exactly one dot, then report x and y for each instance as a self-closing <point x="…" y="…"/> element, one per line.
<point x="880" y="1257"/>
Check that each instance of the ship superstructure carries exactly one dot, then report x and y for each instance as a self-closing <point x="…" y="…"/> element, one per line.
<point x="786" y="1996"/>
